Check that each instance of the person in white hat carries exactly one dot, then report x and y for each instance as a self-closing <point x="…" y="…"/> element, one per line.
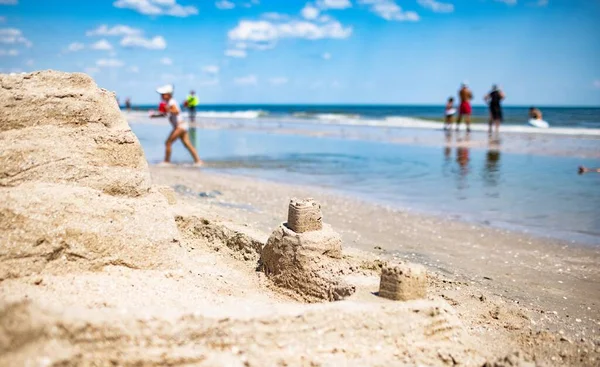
<point x="180" y="127"/>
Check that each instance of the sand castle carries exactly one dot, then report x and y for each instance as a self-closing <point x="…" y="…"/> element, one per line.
<point x="303" y="254"/>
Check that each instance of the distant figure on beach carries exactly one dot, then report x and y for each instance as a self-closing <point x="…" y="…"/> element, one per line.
<point x="535" y="113"/>
<point x="583" y="170"/>
<point x="191" y="102"/>
<point x="128" y="104"/>
<point x="464" y="109"/>
<point x="494" y="99"/>
<point x="449" y="114"/>
<point x="180" y="128"/>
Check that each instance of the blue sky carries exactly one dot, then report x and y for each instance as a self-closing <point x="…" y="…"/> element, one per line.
<point x="319" y="51"/>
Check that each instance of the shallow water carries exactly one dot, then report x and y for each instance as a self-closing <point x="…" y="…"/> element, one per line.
<point x="533" y="193"/>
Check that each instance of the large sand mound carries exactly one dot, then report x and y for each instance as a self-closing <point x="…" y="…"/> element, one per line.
<point x="74" y="184"/>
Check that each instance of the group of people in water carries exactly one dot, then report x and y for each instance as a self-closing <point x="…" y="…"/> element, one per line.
<point x="494" y="101"/>
<point x="170" y="108"/>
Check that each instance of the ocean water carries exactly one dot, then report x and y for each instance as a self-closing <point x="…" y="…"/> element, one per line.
<point x="538" y="194"/>
<point x="584" y="117"/>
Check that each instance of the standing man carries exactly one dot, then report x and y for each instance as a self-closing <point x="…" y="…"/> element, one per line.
<point x="493" y="99"/>
<point x="191" y="102"/>
<point x="465" y="109"/>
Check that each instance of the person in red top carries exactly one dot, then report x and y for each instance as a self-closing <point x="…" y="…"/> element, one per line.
<point x="465" y="109"/>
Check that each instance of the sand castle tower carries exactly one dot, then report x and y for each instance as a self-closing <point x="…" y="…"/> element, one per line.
<point x="403" y="282"/>
<point x="303" y="254"/>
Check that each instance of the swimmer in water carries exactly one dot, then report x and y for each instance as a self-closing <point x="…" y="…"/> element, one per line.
<point x="583" y="170"/>
<point x="180" y="128"/>
<point x="535" y="113"/>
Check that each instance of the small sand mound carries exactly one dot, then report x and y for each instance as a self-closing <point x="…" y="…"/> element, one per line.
<point x="75" y="189"/>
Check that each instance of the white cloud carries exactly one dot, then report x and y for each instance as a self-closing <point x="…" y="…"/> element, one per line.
<point x="261" y="46"/>
<point x="141" y="6"/>
<point x="117" y="30"/>
<point x="13" y="36"/>
<point x="9" y="2"/>
<point x="211" y="69"/>
<point x="596" y="83"/>
<point x="334" y="4"/>
<point x="437" y="6"/>
<point x="325" y="18"/>
<point x="11" y="52"/>
<point x="102" y="45"/>
<point x="326" y="56"/>
<point x="224" y="5"/>
<point x="310" y="12"/>
<point x="30" y="62"/>
<point x="246" y="80"/>
<point x="508" y="2"/>
<point x="134" y="69"/>
<point x="166" y="61"/>
<point x="157" y="7"/>
<point x="182" y="11"/>
<point x="263" y="31"/>
<point x="542" y="3"/>
<point x="278" y="81"/>
<point x="155" y="43"/>
<point x="109" y="63"/>
<point x="240" y="54"/>
<point x="2" y="19"/>
<point x="389" y="10"/>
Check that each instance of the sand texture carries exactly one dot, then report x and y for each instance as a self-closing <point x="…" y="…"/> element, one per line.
<point x="403" y="282"/>
<point x="511" y="291"/>
<point x="306" y="263"/>
<point x="100" y="267"/>
<point x="304" y="216"/>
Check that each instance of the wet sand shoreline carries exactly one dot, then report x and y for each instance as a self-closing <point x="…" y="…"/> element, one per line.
<point x="550" y="278"/>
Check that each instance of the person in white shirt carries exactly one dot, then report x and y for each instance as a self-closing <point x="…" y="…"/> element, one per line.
<point x="180" y="127"/>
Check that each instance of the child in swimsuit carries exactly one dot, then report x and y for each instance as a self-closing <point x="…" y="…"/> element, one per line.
<point x="180" y="127"/>
<point x="449" y="114"/>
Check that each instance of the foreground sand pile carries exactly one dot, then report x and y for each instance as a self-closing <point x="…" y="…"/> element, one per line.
<point x="74" y="184"/>
<point x="94" y="269"/>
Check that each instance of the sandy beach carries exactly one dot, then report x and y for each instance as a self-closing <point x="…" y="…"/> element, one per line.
<point x="555" y="282"/>
<point x="108" y="261"/>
